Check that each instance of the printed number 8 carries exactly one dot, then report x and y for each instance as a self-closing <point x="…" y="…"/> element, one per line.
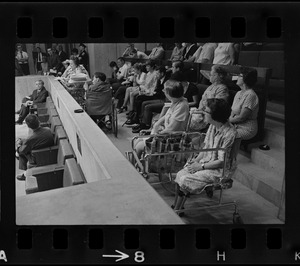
<point x="139" y="256"/>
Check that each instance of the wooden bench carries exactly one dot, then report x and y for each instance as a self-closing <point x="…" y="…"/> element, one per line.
<point x="54" y="176"/>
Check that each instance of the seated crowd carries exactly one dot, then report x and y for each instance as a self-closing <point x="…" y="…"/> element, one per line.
<point x="145" y="88"/>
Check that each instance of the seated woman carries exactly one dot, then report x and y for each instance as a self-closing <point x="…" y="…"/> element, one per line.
<point x="224" y="54"/>
<point x="158" y="94"/>
<point x="123" y="92"/>
<point x="245" y="105"/>
<point x="177" y="52"/>
<point x="73" y="68"/>
<point x="74" y="88"/>
<point x="190" y="92"/>
<point x="144" y="89"/>
<point x="207" y="167"/>
<point x="176" y="117"/>
<point x="216" y="90"/>
<point x="114" y="69"/>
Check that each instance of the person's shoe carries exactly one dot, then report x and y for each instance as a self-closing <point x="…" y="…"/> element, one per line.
<point x="122" y="109"/>
<point x="139" y="128"/>
<point x="131" y="122"/>
<point x="130" y="114"/>
<point x="18" y="112"/>
<point x="18" y="122"/>
<point x="108" y="124"/>
<point x="136" y="127"/>
<point x="21" y="177"/>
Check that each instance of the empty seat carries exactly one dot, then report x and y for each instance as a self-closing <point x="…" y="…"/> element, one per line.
<point x="249" y="58"/>
<point x="54" y="177"/>
<point x="45" y="116"/>
<point x="53" y="122"/>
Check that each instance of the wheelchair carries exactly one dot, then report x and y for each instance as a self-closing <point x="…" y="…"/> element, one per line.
<point x="164" y="155"/>
<point x="224" y="183"/>
<point x="98" y="105"/>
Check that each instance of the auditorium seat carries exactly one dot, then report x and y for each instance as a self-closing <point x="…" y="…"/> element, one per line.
<point x="53" y="122"/>
<point x="54" y="176"/>
<point x="47" y="114"/>
<point x="54" y="155"/>
<point x="275" y="61"/>
<point x="249" y="58"/>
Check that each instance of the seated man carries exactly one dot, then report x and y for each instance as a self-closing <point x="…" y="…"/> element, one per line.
<point x="157" y="52"/>
<point x="139" y="54"/>
<point x="120" y="76"/>
<point x="41" y="137"/>
<point x="38" y="96"/>
<point x="98" y="98"/>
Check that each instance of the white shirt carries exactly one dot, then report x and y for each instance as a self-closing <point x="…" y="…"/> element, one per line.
<point x="222" y="55"/>
<point x="22" y="55"/>
<point x="123" y="72"/>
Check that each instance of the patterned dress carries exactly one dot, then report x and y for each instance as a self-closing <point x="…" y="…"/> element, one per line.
<point x="75" y="89"/>
<point x="223" y="138"/>
<point x="246" y="99"/>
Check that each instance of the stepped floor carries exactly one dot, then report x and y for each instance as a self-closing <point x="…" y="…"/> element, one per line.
<point x="253" y="208"/>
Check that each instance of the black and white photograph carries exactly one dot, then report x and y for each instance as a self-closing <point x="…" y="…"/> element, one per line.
<point x="150" y="133"/>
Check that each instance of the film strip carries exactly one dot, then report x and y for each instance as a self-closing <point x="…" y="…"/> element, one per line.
<point x="208" y="241"/>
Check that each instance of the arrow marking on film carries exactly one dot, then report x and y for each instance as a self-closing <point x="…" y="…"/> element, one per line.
<point x="122" y="256"/>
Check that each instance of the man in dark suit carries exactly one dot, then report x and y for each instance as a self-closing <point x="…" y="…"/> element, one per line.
<point x="189" y="50"/>
<point x="41" y="137"/>
<point x="38" y="59"/>
<point x="38" y="96"/>
<point x="62" y="55"/>
<point x="83" y="56"/>
<point x="53" y="60"/>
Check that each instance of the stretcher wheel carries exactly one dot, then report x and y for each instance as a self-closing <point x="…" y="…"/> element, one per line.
<point x="167" y="182"/>
<point x="237" y="219"/>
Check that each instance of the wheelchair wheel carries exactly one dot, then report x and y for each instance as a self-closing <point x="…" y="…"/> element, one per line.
<point x="114" y="118"/>
<point x="167" y="182"/>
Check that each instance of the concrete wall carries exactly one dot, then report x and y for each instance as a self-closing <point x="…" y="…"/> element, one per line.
<point x="115" y="193"/>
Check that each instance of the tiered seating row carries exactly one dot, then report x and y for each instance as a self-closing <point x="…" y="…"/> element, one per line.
<point x="56" y="165"/>
<point x="119" y="196"/>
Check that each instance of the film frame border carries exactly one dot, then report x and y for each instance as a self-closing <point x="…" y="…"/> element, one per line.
<point x="184" y="13"/>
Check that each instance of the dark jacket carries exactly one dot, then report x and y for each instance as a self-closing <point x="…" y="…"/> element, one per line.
<point x="191" y="51"/>
<point x="39" y="98"/>
<point x="84" y="59"/>
<point x="53" y="61"/>
<point x="99" y="99"/>
<point x="41" y="137"/>
<point x="159" y="94"/>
